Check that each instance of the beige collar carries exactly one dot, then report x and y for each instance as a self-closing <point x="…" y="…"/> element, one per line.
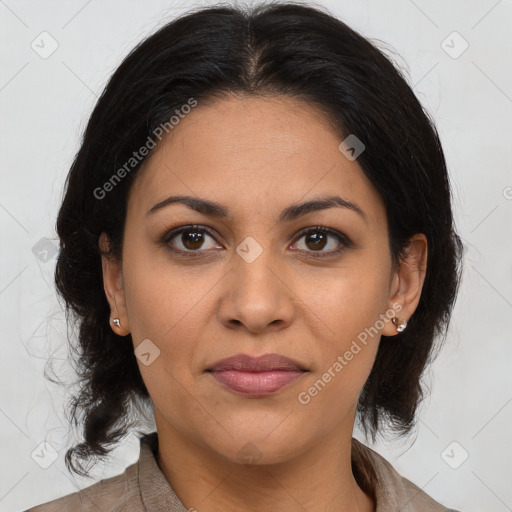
<point x="373" y="473"/>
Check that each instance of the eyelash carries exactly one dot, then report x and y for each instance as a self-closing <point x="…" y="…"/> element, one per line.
<point x="345" y="242"/>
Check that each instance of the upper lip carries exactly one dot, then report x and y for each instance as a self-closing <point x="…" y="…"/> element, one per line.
<point x="266" y="362"/>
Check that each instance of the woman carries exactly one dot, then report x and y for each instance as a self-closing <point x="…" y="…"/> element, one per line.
<point x="257" y="242"/>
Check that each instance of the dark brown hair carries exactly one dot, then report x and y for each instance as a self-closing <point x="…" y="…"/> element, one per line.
<point x="271" y="49"/>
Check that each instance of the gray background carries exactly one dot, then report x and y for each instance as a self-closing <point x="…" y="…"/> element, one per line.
<point x="45" y="103"/>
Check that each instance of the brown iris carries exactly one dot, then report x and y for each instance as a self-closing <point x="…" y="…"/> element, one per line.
<point x="316" y="241"/>
<point x="192" y="239"/>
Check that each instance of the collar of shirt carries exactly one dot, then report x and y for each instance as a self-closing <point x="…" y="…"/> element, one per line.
<point x="143" y="487"/>
<point x="390" y="491"/>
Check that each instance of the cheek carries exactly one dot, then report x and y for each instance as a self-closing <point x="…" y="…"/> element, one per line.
<point x="349" y="304"/>
<point x="163" y="306"/>
<point x="161" y="296"/>
<point x="167" y="304"/>
<point x="347" y="299"/>
<point x="347" y="354"/>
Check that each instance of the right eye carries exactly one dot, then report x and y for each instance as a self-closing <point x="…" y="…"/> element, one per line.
<point x="188" y="239"/>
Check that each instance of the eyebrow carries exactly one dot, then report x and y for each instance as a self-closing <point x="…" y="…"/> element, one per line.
<point x="213" y="209"/>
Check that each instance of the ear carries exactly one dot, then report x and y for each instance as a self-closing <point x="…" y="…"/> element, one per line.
<point x="407" y="282"/>
<point x="114" y="287"/>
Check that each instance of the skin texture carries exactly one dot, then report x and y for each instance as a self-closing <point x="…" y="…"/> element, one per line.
<point x="257" y="156"/>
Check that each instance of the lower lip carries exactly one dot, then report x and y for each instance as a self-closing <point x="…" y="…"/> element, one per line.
<point x="256" y="383"/>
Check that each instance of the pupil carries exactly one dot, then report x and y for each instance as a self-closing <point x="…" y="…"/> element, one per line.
<point x="192" y="239"/>
<point x="318" y="240"/>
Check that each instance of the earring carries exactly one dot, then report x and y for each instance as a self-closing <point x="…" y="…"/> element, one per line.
<point x="116" y="322"/>
<point x="400" y="325"/>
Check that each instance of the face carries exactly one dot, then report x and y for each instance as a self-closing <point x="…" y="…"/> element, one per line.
<point x="252" y="282"/>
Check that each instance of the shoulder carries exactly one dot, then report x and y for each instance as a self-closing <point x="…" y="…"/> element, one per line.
<point x="115" y="494"/>
<point x="141" y="487"/>
<point x="420" y="500"/>
<point x="391" y="490"/>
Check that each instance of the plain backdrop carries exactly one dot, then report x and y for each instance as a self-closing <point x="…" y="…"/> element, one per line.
<point x="456" y="57"/>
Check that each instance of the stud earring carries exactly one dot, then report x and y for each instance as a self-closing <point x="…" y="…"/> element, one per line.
<point x="400" y="325"/>
<point x="116" y="322"/>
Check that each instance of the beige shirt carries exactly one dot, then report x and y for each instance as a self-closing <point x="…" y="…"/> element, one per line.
<point x="143" y="487"/>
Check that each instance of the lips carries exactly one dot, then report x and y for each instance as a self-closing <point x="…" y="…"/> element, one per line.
<point x="256" y="376"/>
<point x="267" y="362"/>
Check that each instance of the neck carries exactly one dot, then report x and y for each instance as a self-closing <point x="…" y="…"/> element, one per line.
<point x="320" y="479"/>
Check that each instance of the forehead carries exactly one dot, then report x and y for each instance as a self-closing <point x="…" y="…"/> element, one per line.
<point x="253" y="153"/>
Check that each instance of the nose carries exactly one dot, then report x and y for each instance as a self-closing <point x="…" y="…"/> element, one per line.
<point x="257" y="295"/>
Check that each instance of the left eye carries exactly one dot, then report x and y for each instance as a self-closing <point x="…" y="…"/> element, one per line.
<point x="316" y="239"/>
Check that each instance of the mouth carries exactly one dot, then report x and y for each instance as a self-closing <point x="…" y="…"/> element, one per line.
<point x="256" y="376"/>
